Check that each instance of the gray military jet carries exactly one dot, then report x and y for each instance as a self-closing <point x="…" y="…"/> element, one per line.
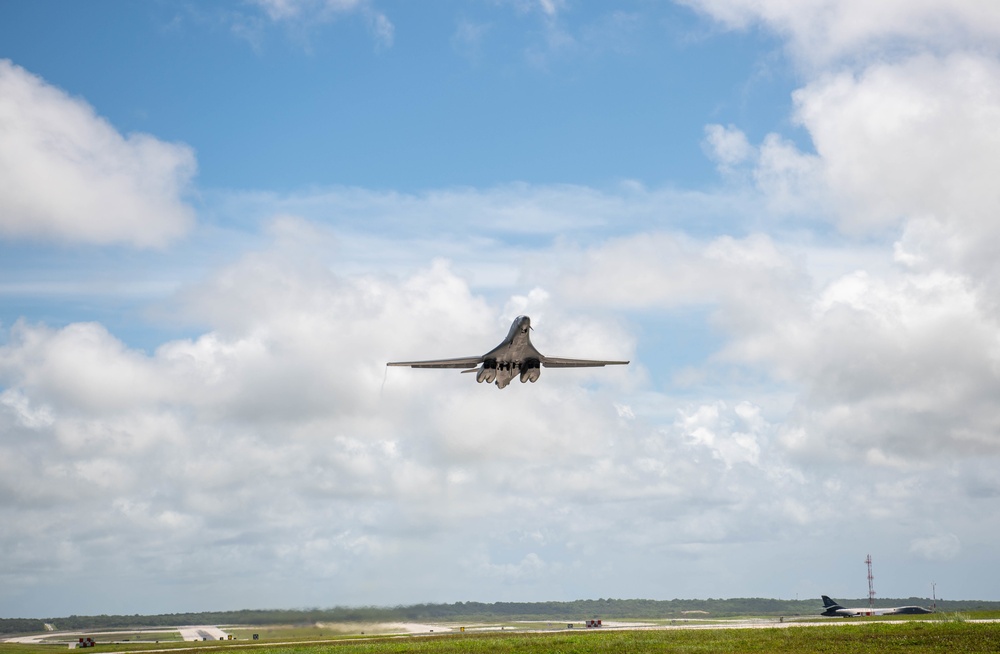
<point x="514" y="356"/>
<point x="831" y="608"/>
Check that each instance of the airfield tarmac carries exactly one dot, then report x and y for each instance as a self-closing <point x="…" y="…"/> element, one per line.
<point x="388" y="629"/>
<point x="193" y="633"/>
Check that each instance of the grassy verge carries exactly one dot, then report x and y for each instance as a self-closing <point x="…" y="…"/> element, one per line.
<point x="943" y="637"/>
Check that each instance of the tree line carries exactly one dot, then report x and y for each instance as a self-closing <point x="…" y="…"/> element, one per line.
<point x="479" y="611"/>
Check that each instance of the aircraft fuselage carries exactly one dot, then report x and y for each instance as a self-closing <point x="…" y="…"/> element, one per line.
<point x="832" y="609"/>
<point x="515" y="355"/>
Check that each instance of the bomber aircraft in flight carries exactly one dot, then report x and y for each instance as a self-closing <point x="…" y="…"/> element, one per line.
<point x="831" y="608"/>
<point x="514" y="356"/>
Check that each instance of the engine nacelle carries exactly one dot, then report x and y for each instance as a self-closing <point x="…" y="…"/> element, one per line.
<point x="487" y="372"/>
<point x="530" y="371"/>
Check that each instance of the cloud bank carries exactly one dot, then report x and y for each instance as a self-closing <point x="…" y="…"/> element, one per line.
<point x="68" y="175"/>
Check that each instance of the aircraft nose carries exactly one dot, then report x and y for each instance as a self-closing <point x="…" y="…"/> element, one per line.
<point x="524" y="323"/>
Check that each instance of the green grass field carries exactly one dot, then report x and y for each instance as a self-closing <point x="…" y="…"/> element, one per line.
<point x="952" y="635"/>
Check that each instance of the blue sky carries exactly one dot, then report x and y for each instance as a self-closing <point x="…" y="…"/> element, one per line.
<point x="465" y="94"/>
<point x="219" y="220"/>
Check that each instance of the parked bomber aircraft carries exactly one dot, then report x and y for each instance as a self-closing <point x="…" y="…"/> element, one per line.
<point x="515" y="355"/>
<point x="833" y="609"/>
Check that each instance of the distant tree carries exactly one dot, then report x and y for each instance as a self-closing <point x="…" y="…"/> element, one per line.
<point x="572" y="610"/>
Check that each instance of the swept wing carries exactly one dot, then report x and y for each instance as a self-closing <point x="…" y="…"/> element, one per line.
<point x="560" y="362"/>
<point x="461" y="362"/>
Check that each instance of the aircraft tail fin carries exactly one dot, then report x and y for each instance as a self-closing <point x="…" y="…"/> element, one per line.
<point x="829" y="605"/>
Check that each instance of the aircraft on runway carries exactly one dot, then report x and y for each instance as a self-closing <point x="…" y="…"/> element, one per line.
<point x="833" y="609"/>
<point x="514" y="356"/>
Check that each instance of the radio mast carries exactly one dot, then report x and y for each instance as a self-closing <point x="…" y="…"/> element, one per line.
<point x="871" y="585"/>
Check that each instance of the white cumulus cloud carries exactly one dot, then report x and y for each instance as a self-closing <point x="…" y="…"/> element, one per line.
<point x="67" y="174"/>
<point x="820" y="32"/>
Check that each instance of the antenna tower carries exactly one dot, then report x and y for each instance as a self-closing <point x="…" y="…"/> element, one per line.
<point x="871" y="585"/>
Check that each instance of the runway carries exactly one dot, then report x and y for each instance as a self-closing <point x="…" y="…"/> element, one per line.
<point x="192" y="633"/>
